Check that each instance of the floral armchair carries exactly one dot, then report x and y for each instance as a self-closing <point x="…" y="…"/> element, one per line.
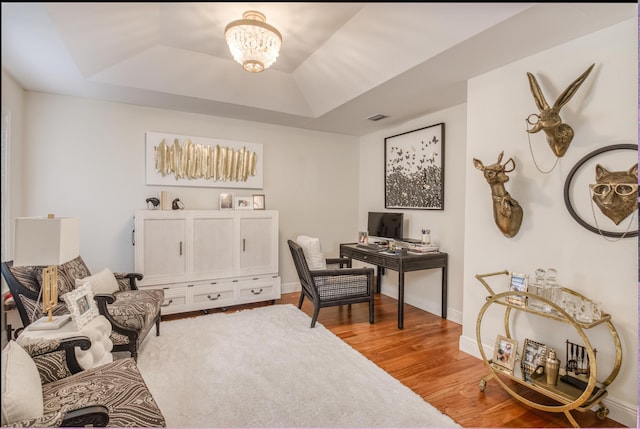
<point x="132" y="312"/>
<point x="43" y="386"/>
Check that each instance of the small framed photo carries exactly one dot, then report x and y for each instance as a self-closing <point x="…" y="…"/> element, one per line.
<point x="518" y="283"/>
<point x="258" y="202"/>
<point x="243" y="203"/>
<point x="225" y="202"/>
<point x="363" y="237"/>
<point x="81" y="305"/>
<point x="534" y="355"/>
<point x="505" y="352"/>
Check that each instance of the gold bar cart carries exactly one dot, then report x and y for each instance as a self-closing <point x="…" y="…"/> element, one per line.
<point x="568" y="397"/>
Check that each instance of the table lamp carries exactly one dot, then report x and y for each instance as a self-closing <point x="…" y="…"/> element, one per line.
<point x="49" y="242"/>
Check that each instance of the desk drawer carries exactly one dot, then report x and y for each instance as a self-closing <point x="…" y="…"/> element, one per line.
<point x="368" y="258"/>
<point x="435" y="260"/>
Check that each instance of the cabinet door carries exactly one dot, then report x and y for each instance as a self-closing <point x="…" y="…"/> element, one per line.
<point x="258" y="245"/>
<point x="213" y="245"/>
<point x="164" y="247"/>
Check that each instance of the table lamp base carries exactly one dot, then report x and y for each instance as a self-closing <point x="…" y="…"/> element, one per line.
<point x="44" y="324"/>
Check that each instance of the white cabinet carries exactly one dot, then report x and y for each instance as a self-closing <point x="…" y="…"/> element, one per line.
<point x="257" y="240"/>
<point x="164" y="247"/>
<point x="208" y="258"/>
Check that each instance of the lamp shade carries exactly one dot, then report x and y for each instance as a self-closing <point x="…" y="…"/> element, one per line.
<point x="43" y="241"/>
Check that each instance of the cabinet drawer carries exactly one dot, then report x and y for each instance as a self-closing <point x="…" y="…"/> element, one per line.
<point x="213" y="295"/>
<point x="175" y="300"/>
<point x="259" y="289"/>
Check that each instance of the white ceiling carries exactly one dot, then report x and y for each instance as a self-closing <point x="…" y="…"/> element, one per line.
<point x="340" y="63"/>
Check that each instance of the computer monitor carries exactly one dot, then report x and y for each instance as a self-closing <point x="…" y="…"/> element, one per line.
<point x="385" y="225"/>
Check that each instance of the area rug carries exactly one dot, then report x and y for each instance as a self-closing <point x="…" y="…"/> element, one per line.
<point x="265" y="367"/>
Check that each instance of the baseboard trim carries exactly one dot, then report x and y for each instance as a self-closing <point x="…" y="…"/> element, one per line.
<point x="423" y="304"/>
<point x="290" y="287"/>
<point x="619" y="410"/>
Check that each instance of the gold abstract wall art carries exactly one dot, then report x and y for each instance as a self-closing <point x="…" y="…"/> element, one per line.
<point x="197" y="161"/>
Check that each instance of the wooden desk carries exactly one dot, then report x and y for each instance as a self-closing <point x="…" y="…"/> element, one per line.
<point x="401" y="264"/>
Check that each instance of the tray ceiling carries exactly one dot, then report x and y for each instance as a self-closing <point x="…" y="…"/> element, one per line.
<point x="340" y="63"/>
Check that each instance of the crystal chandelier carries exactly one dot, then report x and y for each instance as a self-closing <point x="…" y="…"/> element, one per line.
<point x="252" y="42"/>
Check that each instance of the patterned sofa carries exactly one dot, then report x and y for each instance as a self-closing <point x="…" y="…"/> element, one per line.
<point x="132" y="312"/>
<point x="43" y="386"/>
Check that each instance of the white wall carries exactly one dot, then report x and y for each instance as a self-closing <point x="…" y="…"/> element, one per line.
<point x="13" y="102"/>
<point x="86" y="158"/>
<point x="422" y="288"/>
<point x="603" y="112"/>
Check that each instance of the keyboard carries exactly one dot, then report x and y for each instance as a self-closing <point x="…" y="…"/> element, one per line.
<point x="371" y="246"/>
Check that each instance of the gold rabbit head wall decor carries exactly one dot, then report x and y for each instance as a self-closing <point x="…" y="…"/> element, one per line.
<point x="559" y="134"/>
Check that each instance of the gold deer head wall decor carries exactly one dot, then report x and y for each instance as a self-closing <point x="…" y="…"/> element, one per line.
<point x="507" y="212"/>
<point x="559" y="135"/>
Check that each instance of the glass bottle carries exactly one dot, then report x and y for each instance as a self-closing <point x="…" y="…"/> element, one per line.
<point x="539" y="282"/>
<point x="555" y="291"/>
<point x="536" y="288"/>
<point x="546" y="288"/>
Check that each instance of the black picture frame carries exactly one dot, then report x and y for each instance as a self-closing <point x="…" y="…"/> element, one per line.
<point x="258" y="202"/>
<point x="414" y="169"/>
<point x="575" y="179"/>
<point x="534" y="355"/>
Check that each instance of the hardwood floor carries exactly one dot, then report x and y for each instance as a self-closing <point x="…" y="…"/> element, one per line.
<point x="424" y="356"/>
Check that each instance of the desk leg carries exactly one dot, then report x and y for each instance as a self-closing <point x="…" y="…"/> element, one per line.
<point x="379" y="273"/>
<point x="444" y="292"/>
<point x="400" y="300"/>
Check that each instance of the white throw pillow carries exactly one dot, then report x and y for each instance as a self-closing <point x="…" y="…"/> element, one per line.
<point x="102" y="282"/>
<point x="21" y="386"/>
<point x="312" y="252"/>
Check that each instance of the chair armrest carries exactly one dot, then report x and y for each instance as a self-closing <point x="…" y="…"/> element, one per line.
<point x="55" y="358"/>
<point x="102" y="300"/>
<point x="342" y="272"/>
<point x="91" y="415"/>
<point x="342" y="262"/>
<point x="127" y="281"/>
